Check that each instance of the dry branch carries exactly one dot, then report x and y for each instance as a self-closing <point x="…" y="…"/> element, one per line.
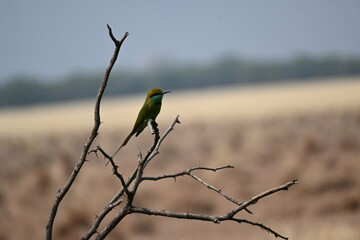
<point x="189" y="173"/>
<point x="137" y="177"/>
<point x="134" y="181"/>
<point x="183" y="173"/>
<point x="256" y="198"/>
<point x="125" y="196"/>
<point x="217" y="219"/>
<point x="63" y="191"/>
<point x="114" y="168"/>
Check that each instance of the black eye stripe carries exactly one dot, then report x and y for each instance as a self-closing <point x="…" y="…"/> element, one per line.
<point x="155" y="94"/>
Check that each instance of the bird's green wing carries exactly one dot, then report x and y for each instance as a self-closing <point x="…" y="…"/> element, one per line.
<point x="148" y="111"/>
<point x="141" y="120"/>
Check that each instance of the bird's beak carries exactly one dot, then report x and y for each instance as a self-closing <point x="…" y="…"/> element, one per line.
<point x="165" y="92"/>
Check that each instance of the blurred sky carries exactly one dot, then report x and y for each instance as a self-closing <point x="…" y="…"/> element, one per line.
<point x="50" y="39"/>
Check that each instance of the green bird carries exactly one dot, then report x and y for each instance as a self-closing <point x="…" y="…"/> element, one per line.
<point x="149" y="110"/>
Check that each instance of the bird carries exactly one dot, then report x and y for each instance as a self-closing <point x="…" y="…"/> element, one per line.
<point x="149" y="110"/>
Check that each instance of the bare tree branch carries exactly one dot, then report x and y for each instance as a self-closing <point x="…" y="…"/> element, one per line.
<point x="108" y="208"/>
<point x="218" y="191"/>
<point x="109" y="227"/>
<point x="154" y="150"/>
<point x="118" y="195"/>
<point x="256" y="198"/>
<point x="63" y="191"/>
<point x="183" y="173"/>
<point x="194" y="216"/>
<point x="263" y="227"/>
<point x="135" y="180"/>
<point x="189" y="173"/>
<point x="114" y="168"/>
<point x="137" y="177"/>
<point x="125" y="196"/>
<point x="217" y="219"/>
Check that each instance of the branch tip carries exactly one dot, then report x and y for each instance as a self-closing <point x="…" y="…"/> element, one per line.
<point x="116" y="42"/>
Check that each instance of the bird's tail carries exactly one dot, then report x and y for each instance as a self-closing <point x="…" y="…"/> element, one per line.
<point x="123" y="144"/>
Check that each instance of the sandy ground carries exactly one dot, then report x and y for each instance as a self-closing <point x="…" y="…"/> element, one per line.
<point x="271" y="135"/>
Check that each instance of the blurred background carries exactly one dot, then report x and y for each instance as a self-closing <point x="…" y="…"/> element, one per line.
<point x="272" y="88"/>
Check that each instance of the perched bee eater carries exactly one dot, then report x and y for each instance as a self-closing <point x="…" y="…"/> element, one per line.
<point x="149" y="110"/>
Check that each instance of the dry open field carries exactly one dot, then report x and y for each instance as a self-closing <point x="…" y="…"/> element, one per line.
<point x="271" y="134"/>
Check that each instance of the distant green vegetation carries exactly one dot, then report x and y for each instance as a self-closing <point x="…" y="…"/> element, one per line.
<point x="226" y="71"/>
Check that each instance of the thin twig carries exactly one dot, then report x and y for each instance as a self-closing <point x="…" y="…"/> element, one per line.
<point x="256" y="198"/>
<point x="109" y="227"/>
<point x="262" y="226"/>
<point x="99" y="219"/>
<point x="202" y="217"/>
<point x="189" y="173"/>
<point x="108" y="208"/>
<point x="154" y="150"/>
<point x="186" y="172"/>
<point x="114" y="168"/>
<point x="218" y="191"/>
<point x="217" y="219"/>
